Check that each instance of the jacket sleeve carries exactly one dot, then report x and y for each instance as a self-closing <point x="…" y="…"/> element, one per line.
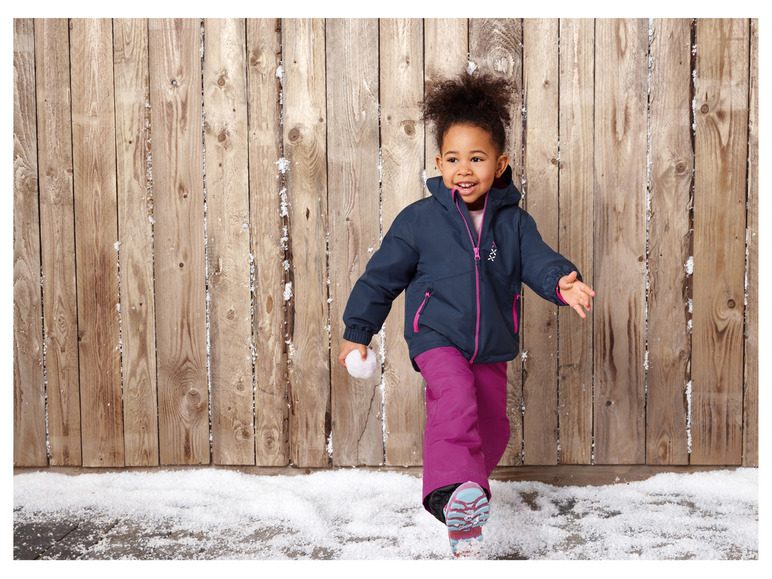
<point x="388" y="272"/>
<point x="542" y="267"/>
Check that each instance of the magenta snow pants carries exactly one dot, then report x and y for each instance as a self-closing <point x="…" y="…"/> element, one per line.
<point x="467" y="428"/>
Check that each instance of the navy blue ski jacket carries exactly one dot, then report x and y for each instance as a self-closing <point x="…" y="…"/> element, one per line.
<point x="461" y="291"/>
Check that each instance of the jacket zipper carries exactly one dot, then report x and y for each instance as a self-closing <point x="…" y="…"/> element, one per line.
<point x="514" y="311"/>
<point x="427" y="295"/>
<point x="476" y="248"/>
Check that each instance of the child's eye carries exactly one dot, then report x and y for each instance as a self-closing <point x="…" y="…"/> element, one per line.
<point x="476" y="159"/>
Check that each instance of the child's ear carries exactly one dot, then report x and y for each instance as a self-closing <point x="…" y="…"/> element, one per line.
<point x="501" y="165"/>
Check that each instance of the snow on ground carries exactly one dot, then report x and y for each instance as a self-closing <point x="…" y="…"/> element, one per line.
<point x="354" y="515"/>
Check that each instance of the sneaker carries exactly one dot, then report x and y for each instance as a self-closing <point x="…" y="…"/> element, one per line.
<point x="465" y="514"/>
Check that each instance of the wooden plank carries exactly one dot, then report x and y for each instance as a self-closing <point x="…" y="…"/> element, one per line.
<point x="446" y="55"/>
<point x="178" y="198"/>
<point x="751" y="397"/>
<point x="305" y="129"/>
<point x="671" y="168"/>
<point x="496" y="47"/>
<point x="228" y="249"/>
<point x="621" y="72"/>
<point x="721" y="156"/>
<point x="540" y="317"/>
<point x="135" y="231"/>
<point x="354" y="223"/>
<point x="57" y="239"/>
<point x="29" y="412"/>
<point x="269" y="218"/>
<point x="592" y="475"/>
<point x="96" y="241"/>
<point x="402" y="146"/>
<point x="577" y="103"/>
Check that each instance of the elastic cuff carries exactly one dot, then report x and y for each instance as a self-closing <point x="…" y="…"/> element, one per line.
<point x="357" y="336"/>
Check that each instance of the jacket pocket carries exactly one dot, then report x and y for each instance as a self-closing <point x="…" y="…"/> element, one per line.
<point x="420" y="309"/>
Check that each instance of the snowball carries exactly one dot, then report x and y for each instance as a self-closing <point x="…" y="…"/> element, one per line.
<point x="359" y="368"/>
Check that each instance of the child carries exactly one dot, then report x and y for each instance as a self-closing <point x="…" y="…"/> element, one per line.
<point x="461" y="255"/>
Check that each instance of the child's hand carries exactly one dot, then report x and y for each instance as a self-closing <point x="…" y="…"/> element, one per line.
<point x="575" y="293"/>
<point x="347" y="347"/>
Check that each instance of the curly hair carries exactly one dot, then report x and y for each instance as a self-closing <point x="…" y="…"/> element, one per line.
<point x="480" y="100"/>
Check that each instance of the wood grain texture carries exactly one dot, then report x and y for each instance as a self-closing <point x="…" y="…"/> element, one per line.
<point x="305" y="130"/>
<point x="657" y="171"/>
<point x="354" y="222"/>
<point x="671" y="169"/>
<point x="228" y="244"/>
<point x="57" y="240"/>
<point x="496" y="47"/>
<point x="269" y="217"/>
<point x="576" y="175"/>
<point x="96" y="241"/>
<point x="621" y="72"/>
<point x="720" y="189"/>
<point x="29" y="413"/>
<point x="751" y="395"/>
<point x="135" y="232"/>
<point x="402" y="152"/>
<point x="446" y="55"/>
<point x="540" y="317"/>
<point x="178" y="199"/>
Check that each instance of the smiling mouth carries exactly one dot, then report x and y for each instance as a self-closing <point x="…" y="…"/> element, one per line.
<point x="465" y="188"/>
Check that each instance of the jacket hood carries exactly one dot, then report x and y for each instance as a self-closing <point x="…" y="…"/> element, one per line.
<point x="503" y="191"/>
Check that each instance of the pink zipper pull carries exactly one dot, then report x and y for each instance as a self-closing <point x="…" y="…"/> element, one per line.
<point x="427" y="295"/>
<point x="477" y="253"/>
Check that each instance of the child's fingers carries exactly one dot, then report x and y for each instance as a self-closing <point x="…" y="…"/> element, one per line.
<point x="586" y="289"/>
<point x="345" y="350"/>
<point x="349" y="347"/>
<point x="587" y="302"/>
<point x="342" y="357"/>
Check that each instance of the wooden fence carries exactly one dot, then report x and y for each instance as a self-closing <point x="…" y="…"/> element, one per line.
<point x="193" y="200"/>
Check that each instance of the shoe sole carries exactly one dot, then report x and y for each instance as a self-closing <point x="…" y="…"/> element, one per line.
<point x="465" y="514"/>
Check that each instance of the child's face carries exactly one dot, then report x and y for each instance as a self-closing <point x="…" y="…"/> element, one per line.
<point x="469" y="161"/>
